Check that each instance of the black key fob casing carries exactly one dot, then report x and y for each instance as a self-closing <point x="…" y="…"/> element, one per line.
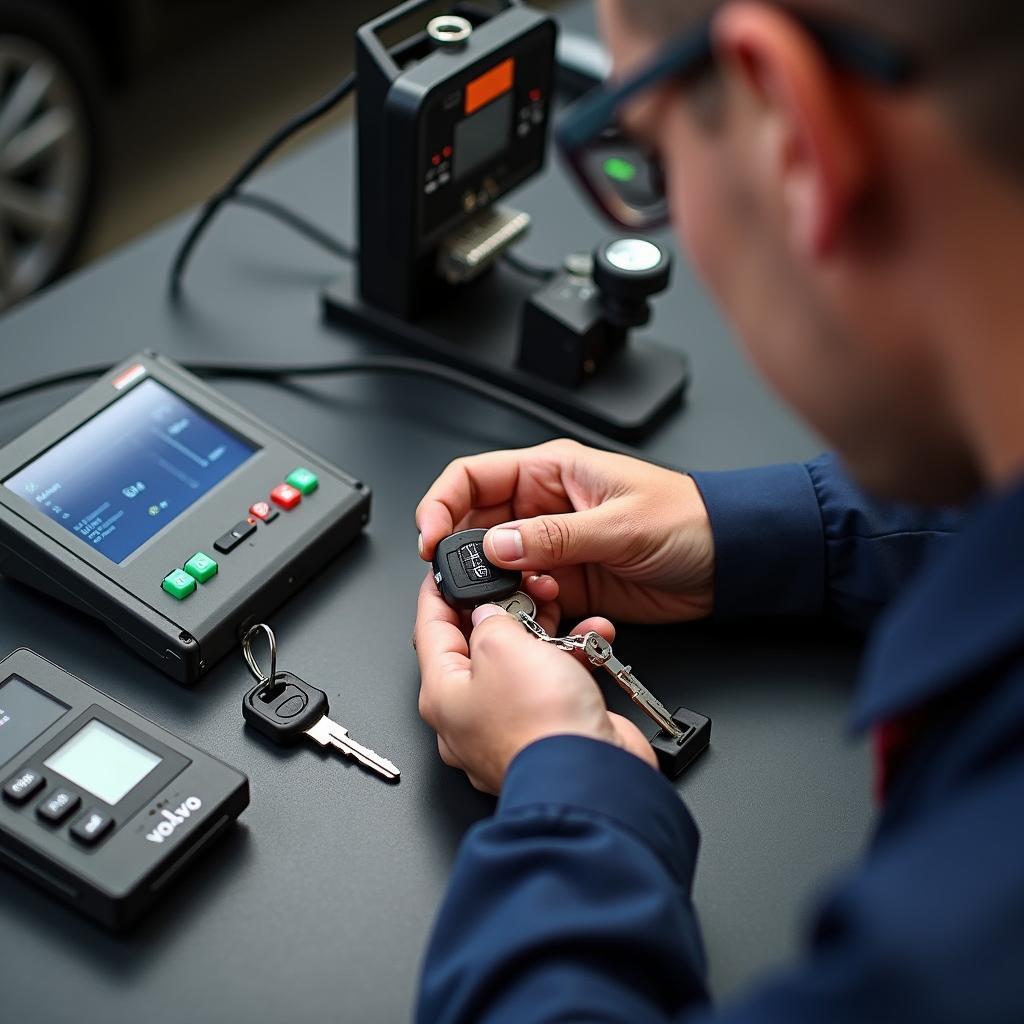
<point x="464" y="575"/>
<point x="284" y="709"/>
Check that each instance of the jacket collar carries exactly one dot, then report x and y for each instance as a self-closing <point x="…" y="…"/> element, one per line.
<point x="961" y="614"/>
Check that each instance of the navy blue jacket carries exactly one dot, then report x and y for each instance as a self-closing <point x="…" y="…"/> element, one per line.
<point x="573" y="902"/>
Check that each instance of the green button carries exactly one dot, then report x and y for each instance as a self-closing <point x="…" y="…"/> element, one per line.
<point x="303" y="480"/>
<point x="201" y="567"/>
<point x="179" y="584"/>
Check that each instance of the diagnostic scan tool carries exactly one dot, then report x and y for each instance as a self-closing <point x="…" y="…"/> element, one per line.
<point x="100" y="806"/>
<point x="170" y="514"/>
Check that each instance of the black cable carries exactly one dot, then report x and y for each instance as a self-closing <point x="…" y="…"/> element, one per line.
<point x="561" y="425"/>
<point x="289" y="217"/>
<point x="530" y="269"/>
<point x="262" y="154"/>
<point x="53" y="380"/>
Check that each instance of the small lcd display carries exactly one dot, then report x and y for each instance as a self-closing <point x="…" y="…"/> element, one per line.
<point x="25" y="714"/>
<point x="482" y="136"/>
<point x="122" y="476"/>
<point x="103" y="762"/>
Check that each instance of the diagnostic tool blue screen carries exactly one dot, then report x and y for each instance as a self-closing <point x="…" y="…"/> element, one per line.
<point x="122" y="476"/>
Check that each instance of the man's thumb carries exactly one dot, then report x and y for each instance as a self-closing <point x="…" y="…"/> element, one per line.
<point x="497" y="635"/>
<point x="547" y="542"/>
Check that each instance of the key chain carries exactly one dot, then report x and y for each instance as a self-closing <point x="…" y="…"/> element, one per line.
<point x="286" y="708"/>
<point x="466" y="579"/>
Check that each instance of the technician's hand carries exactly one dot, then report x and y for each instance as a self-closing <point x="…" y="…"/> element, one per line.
<point x="491" y="696"/>
<point x="616" y="534"/>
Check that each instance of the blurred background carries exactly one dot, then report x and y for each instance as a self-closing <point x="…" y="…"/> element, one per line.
<point x="117" y="114"/>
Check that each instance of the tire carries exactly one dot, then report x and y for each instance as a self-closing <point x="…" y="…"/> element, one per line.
<point x="49" y="144"/>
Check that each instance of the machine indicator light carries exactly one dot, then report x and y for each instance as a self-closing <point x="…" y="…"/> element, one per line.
<point x="490" y="85"/>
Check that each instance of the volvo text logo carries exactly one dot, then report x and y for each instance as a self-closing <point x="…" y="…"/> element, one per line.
<point x="172" y="819"/>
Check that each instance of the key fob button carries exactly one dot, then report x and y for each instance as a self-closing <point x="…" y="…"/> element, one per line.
<point x="291" y="706"/>
<point x="465" y="577"/>
<point x="474" y="564"/>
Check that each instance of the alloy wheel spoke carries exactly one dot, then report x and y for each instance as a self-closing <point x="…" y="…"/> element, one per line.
<point x="21" y="102"/>
<point x="35" y="141"/>
<point x="30" y="210"/>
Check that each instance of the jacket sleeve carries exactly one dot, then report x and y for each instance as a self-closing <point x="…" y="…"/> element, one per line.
<point x="572" y="904"/>
<point x="803" y="540"/>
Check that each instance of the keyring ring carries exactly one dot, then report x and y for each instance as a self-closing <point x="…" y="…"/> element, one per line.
<point x="250" y="658"/>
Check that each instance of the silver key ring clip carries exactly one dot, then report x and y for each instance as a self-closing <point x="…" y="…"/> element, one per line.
<point x="250" y="659"/>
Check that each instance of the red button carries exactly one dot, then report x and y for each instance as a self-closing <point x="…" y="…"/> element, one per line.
<point x="261" y="510"/>
<point x="286" y="496"/>
<point x="446" y="152"/>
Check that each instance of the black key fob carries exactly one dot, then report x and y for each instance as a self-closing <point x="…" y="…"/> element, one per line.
<point x="284" y="710"/>
<point x="464" y="575"/>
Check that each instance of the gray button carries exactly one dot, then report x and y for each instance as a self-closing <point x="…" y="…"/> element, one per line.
<point x="58" y="805"/>
<point x="18" y="788"/>
<point x="92" y="826"/>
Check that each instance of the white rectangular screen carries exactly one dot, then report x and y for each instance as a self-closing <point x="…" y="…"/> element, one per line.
<point x="103" y="762"/>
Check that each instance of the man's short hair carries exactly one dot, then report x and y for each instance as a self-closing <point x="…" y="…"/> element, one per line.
<point x="971" y="52"/>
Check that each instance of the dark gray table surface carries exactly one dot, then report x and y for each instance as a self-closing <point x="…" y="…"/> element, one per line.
<point x="318" y="906"/>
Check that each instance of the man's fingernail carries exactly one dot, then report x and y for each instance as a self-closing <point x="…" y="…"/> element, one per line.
<point x="419" y="544"/>
<point x="507" y="544"/>
<point x="485" y="611"/>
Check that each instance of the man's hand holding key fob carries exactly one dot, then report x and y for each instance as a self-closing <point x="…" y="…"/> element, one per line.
<point x="466" y="579"/>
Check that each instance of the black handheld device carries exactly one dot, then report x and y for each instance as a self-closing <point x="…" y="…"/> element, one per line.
<point x="169" y="513"/>
<point x="100" y="806"/>
<point x="448" y="121"/>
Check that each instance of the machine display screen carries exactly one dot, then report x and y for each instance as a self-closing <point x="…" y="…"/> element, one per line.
<point x="482" y="135"/>
<point x="128" y="472"/>
<point x="103" y="762"/>
<point x="25" y="713"/>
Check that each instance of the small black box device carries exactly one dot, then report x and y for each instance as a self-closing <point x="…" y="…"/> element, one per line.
<point x="100" y="806"/>
<point x="448" y="121"/>
<point x="170" y="514"/>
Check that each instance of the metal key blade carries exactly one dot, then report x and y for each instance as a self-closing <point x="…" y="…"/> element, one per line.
<point x="600" y="653"/>
<point x="326" y="732"/>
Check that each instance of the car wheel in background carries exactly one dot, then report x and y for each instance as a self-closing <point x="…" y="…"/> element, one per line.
<point x="49" y="144"/>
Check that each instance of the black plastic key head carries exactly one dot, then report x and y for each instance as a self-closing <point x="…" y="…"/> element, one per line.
<point x="464" y="575"/>
<point x="285" y="709"/>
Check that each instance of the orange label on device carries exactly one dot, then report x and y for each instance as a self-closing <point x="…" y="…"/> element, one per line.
<point x="490" y="85"/>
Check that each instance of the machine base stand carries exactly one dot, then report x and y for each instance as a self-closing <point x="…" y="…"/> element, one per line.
<point x="675" y="756"/>
<point x="478" y="331"/>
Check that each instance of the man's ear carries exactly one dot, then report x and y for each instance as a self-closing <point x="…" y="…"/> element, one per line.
<point x="808" y="143"/>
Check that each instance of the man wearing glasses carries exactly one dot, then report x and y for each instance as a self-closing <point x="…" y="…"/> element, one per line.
<point x="848" y="177"/>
